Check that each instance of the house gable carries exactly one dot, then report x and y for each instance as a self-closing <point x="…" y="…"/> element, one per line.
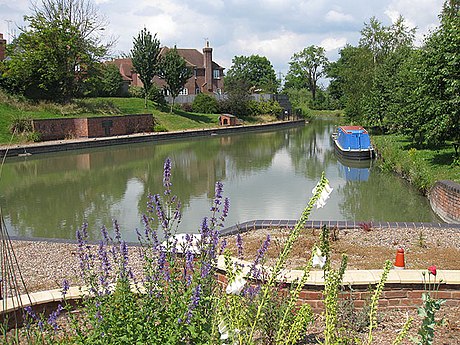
<point x="207" y="80"/>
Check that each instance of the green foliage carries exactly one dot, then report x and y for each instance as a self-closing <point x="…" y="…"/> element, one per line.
<point x="428" y="310"/>
<point x="263" y="107"/>
<point x="53" y="58"/>
<point x="136" y="91"/>
<point x="175" y="72"/>
<point x="21" y="125"/>
<point x="205" y="104"/>
<point x="422" y="167"/>
<point x="385" y="82"/>
<point x="237" y="100"/>
<point x="255" y="72"/>
<point x="145" y="56"/>
<point x="108" y="82"/>
<point x="306" y="68"/>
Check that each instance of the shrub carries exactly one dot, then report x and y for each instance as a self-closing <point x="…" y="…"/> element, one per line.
<point x="205" y="104"/>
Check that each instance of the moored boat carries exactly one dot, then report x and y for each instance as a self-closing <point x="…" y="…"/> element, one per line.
<point x="353" y="142"/>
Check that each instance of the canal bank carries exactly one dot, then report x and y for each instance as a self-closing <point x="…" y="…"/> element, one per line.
<point x="86" y="143"/>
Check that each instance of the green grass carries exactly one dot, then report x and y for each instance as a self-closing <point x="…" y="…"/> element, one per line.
<point x="12" y="109"/>
<point x="421" y="166"/>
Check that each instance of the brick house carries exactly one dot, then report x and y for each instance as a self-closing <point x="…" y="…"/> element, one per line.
<point x="2" y="47"/>
<point x="207" y="75"/>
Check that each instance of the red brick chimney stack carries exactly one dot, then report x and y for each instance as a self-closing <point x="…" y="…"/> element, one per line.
<point x="207" y="52"/>
<point x="2" y="47"/>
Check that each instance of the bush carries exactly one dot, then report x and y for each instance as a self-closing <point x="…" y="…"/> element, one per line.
<point x="205" y="104"/>
<point x="264" y="108"/>
<point x="136" y="91"/>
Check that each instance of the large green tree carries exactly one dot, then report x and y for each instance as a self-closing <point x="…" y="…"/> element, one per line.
<point x="175" y="72"/>
<point x="54" y="56"/>
<point x="254" y="71"/>
<point x="145" y="56"/>
<point x="440" y="73"/>
<point x="306" y="68"/>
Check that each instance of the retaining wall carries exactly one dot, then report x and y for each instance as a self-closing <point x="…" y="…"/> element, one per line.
<point x="93" y="127"/>
<point x="444" y="198"/>
<point x="83" y="143"/>
<point x="403" y="288"/>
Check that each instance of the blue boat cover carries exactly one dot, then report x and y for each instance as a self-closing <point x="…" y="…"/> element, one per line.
<point x="353" y="138"/>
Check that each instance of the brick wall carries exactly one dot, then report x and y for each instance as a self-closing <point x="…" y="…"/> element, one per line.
<point x="56" y="129"/>
<point x="394" y="296"/>
<point x="445" y="200"/>
<point x="2" y="47"/>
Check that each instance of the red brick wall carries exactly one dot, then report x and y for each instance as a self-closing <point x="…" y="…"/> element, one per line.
<point x="401" y="296"/>
<point x="56" y="129"/>
<point x="445" y="200"/>
<point x="2" y="47"/>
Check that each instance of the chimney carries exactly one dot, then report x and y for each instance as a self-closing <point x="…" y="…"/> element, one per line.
<point x="207" y="55"/>
<point x="2" y="47"/>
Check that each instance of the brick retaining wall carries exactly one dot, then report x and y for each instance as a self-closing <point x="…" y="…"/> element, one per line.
<point x="444" y="198"/>
<point x="93" y="127"/>
<point x="403" y="288"/>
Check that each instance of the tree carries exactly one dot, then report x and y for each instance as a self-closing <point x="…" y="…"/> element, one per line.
<point x="145" y="57"/>
<point x="58" y="51"/>
<point x="256" y="71"/>
<point x="205" y="104"/>
<point x="440" y="73"/>
<point x="175" y="72"/>
<point x="306" y="67"/>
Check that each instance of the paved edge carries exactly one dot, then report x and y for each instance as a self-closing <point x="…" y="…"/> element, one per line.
<point x="283" y="223"/>
<point x="84" y="143"/>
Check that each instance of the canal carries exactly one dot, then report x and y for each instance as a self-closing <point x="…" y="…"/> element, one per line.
<point x="266" y="175"/>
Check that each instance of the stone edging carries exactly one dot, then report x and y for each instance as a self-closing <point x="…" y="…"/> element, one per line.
<point x="83" y="143"/>
<point x="288" y="223"/>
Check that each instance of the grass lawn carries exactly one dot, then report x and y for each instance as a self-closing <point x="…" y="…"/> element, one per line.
<point x="422" y="166"/>
<point x="12" y="110"/>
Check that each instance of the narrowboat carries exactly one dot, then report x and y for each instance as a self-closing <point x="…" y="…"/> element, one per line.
<point x="353" y="142"/>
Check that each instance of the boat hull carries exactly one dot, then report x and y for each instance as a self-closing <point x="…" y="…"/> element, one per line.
<point x="354" y="154"/>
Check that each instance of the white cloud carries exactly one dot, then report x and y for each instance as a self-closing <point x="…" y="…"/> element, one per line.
<point x="332" y="43"/>
<point x="338" y="17"/>
<point x="422" y="14"/>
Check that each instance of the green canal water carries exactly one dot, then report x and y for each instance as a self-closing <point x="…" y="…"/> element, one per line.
<point x="266" y="175"/>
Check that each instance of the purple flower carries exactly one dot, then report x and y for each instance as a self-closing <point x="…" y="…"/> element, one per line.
<point x="53" y="317"/>
<point x="105" y="235"/>
<point x="167" y="176"/>
<point x="254" y="271"/>
<point x="239" y="245"/>
<point x="160" y="213"/>
<point x="116" y="227"/>
<point x="194" y="301"/>
<point x="223" y="244"/>
<point x="65" y="287"/>
<point x="30" y="312"/>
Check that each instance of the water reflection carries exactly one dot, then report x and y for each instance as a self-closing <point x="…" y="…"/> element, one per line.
<point x="266" y="175"/>
<point x="353" y="170"/>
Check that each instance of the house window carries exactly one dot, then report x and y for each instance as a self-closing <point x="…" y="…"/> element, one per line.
<point x="184" y="92"/>
<point x="197" y="91"/>
<point x="216" y="74"/>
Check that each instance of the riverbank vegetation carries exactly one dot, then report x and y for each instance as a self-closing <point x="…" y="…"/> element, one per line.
<point x="422" y="167"/>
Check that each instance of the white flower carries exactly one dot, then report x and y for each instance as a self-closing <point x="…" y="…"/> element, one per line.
<point x="223" y="330"/>
<point x="318" y="259"/>
<point x="236" y="286"/>
<point x="327" y="190"/>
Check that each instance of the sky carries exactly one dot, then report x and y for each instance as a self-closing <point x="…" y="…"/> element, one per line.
<point x="275" y="29"/>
